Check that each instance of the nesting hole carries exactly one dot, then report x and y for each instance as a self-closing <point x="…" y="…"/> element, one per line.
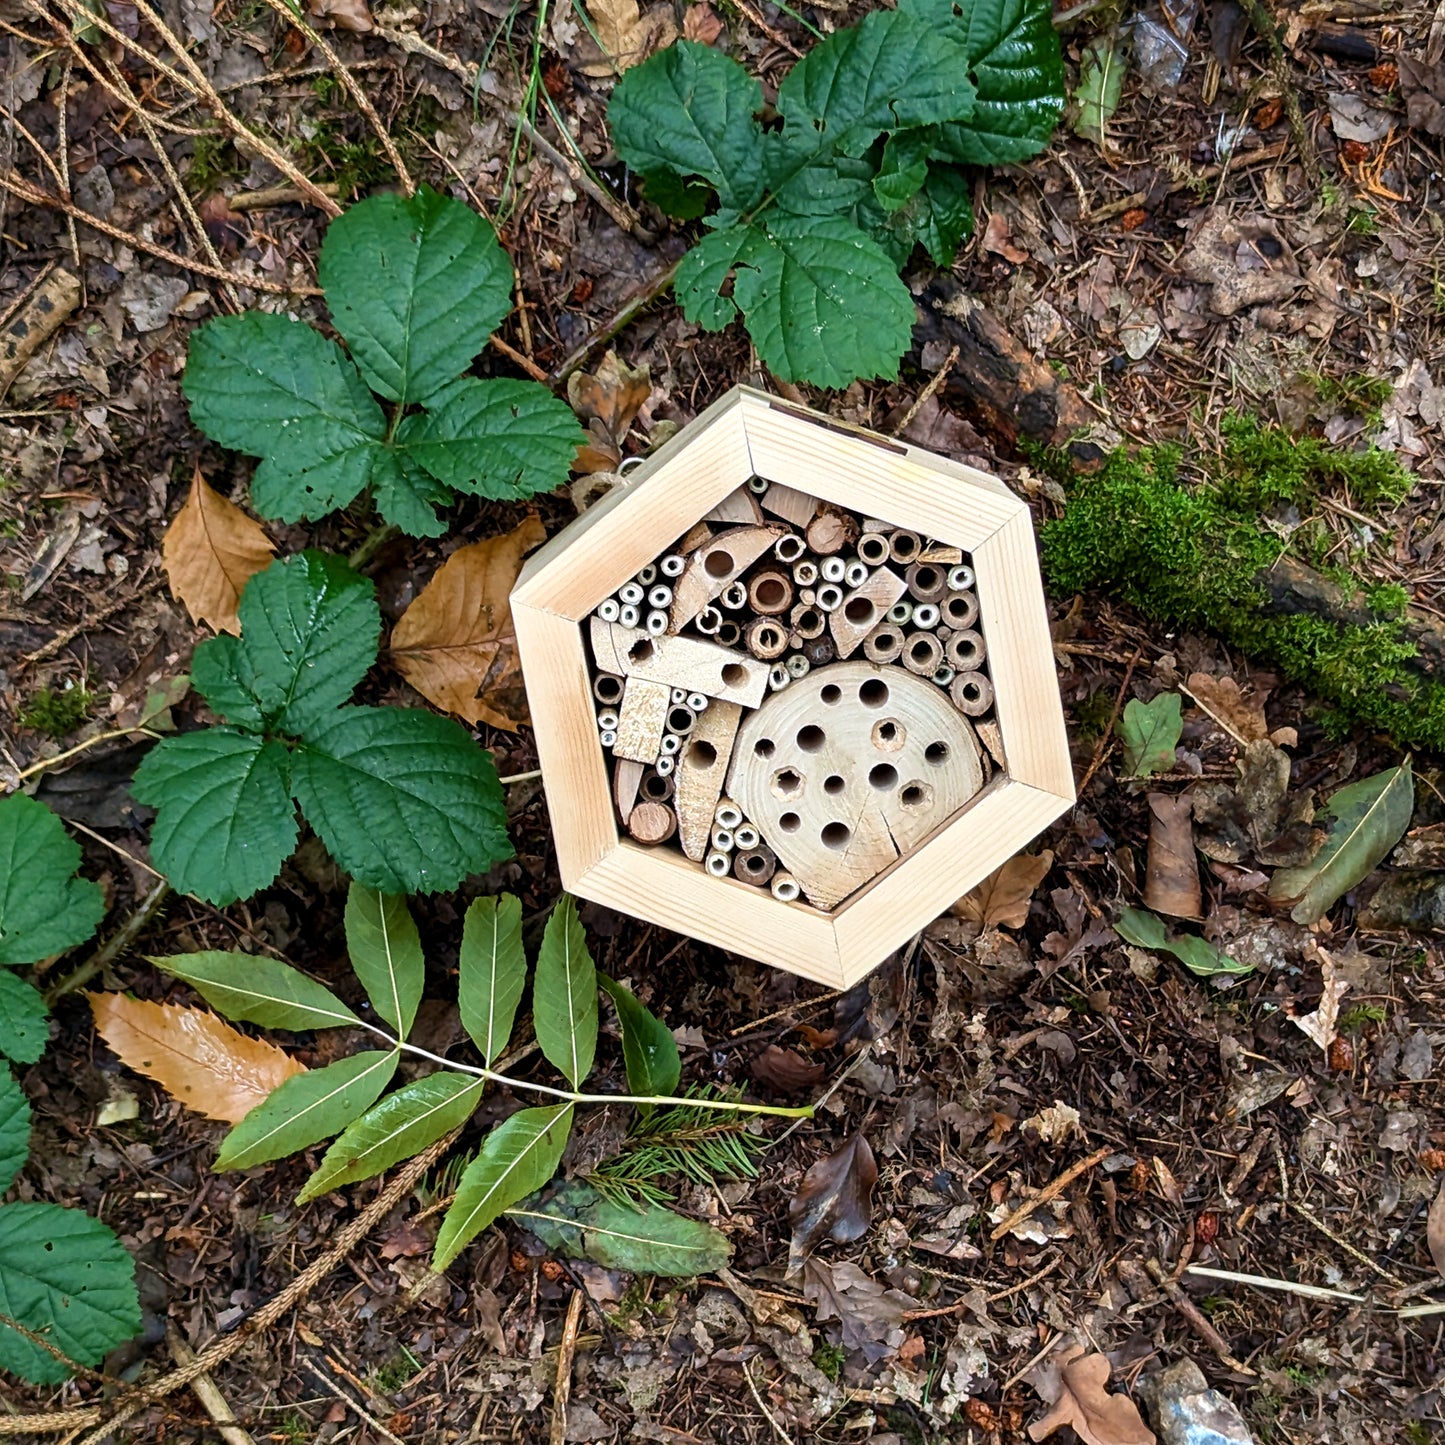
<point x="831" y="693"/>
<point x="755" y="863"/>
<point x="770" y="592"/>
<point x="916" y="796"/>
<point x="921" y="650"/>
<point x="701" y="754"/>
<point x="883" y="776"/>
<point x="889" y="735"/>
<point x="835" y="836"/>
<point x="811" y="738"/>
<point x="680" y="719"/>
<point x="936" y="753"/>
<point x="719" y="563"/>
<point x="787" y="783"/>
<point x="873" y="693"/>
<point x="860" y="611"/>
<point x="641" y="651"/>
<point x="790" y="822"/>
<point x="734" y="674"/>
<point x="834" y="784"/>
<point x="763" y="748"/>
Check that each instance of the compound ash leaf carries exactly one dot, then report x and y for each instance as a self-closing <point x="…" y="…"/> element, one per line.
<point x="648" y="1047"/>
<point x="308" y="1108"/>
<point x="66" y="1276"/>
<point x="692" y="111"/>
<point x="385" y="950"/>
<point x="403" y="1124"/>
<point x="834" y="1201"/>
<point x="564" y="995"/>
<point x="24" y="1020"/>
<point x="1074" y="1389"/>
<point x="491" y="971"/>
<point x="274" y="388"/>
<point x="404" y="800"/>
<point x="1150" y="732"/>
<point x="501" y="439"/>
<point x="211" y="550"/>
<point x="194" y="1056"/>
<point x="44" y="908"/>
<point x="14" y="1129"/>
<point x="255" y="989"/>
<point x="456" y="644"/>
<point x="415" y="286"/>
<point x="224" y="821"/>
<point x="517" y="1158"/>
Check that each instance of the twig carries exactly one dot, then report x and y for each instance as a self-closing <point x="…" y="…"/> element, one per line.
<point x="61" y="639"/>
<point x="935" y="381"/>
<point x="114" y="946"/>
<point x="327" y="1383"/>
<point x="767" y="1413"/>
<point x="1196" y="1317"/>
<point x="519" y="358"/>
<point x="203" y="1387"/>
<point x="1050" y="1191"/>
<point x="1100" y="752"/>
<point x="1285" y="1286"/>
<point x="45" y="764"/>
<point x="562" y="1390"/>
<point x="643" y="297"/>
<point x="520" y="777"/>
<point x="1049" y="1347"/>
<point x="1264" y="26"/>
<point x="1357" y="1255"/>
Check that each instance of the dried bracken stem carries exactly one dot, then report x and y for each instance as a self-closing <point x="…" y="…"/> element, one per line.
<point x="203" y="1387"/>
<point x="936" y="381"/>
<point x="1050" y="1191"/>
<point x="562" y="1389"/>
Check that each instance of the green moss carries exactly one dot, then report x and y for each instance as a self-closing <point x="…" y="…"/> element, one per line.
<point x="829" y="1359"/>
<point x="1363" y="395"/>
<point x="1263" y="466"/>
<point x="1387" y="599"/>
<point x="57" y="714"/>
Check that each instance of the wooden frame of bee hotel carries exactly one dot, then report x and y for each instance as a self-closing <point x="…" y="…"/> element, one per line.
<point x="792" y="687"/>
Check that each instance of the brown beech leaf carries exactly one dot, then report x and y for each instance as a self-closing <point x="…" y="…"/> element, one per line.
<point x="1435" y="1230"/>
<point x="1242" y="713"/>
<point x="701" y="23"/>
<point x="1097" y="1417"/>
<point x="834" y="1201"/>
<point x="350" y="15"/>
<point x="193" y="1055"/>
<point x="1171" y="877"/>
<point x="607" y="402"/>
<point x="869" y="1315"/>
<point x="1002" y="899"/>
<point x="786" y="1070"/>
<point x="456" y="644"/>
<point x="211" y="550"/>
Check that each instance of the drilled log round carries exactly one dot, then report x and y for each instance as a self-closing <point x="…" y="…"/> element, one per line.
<point x="926" y="582"/>
<point x="965" y="650"/>
<point x="756" y="866"/>
<point x="830" y="532"/>
<point x="770" y="593"/>
<point x="652" y="823"/>
<point x="972" y="693"/>
<point x="922" y="653"/>
<point x="883" y="644"/>
<point x="959" y="609"/>
<point x="873" y="548"/>
<point x="904" y="546"/>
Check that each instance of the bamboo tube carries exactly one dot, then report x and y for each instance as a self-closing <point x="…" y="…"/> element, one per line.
<point x="756" y="866"/>
<point x="965" y="650"/>
<point x="926" y="583"/>
<point x="607" y="688"/>
<point x="972" y="694"/>
<point x="657" y="787"/>
<point x="904" y="546"/>
<point x="922" y="653"/>
<point x="805" y="572"/>
<point x="883" y="644"/>
<point x="819" y="651"/>
<point x="785" y="887"/>
<point x="770" y="593"/>
<point x="766" y="639"/>
<point x="808" y="621"/>
<point x="873" y="549"/>
<point x="959" y="609"/>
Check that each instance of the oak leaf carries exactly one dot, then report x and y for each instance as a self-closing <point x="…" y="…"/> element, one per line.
<point x="627" y="36"/>
<point x="193" y="1055"/>
<point x="1074" y="1389"/>
<point x="211" y="550"/>
<point x="607" y="402"/>
<point x="1002" y="899"/>
<point x="457" y="645"/>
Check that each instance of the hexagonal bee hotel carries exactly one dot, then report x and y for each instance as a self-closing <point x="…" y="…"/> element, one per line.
<point x="792" y="687"/>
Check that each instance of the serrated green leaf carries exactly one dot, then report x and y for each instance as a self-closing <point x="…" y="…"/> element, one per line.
<point x="385" y="950"/>
<point x="1101" y="84"/>
<point x="491" y="972"/>
<point x="1017" y="64"/>
<point x="404" y="800"/>
<point x="44" y="908"/>
<point x="903" y="169"/>
<point x="937" y="218"/>
<point x="517" y="1158"/>
<point x="564" y="995"/>
<point x="221" y="671"/>
<point x="24" y="1020"/>
<point x="1149" y="732"/>
<point x="1367" y="820"/>
<point x="648" y="1047"/>
<point x="415" y="286"/>
<point x="66" y="1276"/>
<point x="582" y="1224"/>
<point x="1146" y="930"/>
<point x="407" y="495"/>
<point x="252" y="988"/>
<point x="224" y="821"/>
<point x="686" y="200"/>
<point x="401" y="1125"/>
<point x="307" y="1108"/>
<point x="500" y="439"/>
<point x="14" y="1128"/>
<point x="689" y="110"/>
<point x="277" y="389"/>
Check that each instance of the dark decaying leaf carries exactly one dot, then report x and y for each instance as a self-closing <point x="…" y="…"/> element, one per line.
<point x="786" y="1070"/>
<point x="869" y="1315"/>
<point x="1171" y="878"/>
<point x="834" y="1201"/>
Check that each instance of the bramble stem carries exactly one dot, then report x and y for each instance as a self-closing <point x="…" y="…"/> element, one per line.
<point x="89" y="743"/>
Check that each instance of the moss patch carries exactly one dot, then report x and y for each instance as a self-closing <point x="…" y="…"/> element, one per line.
<point x="57" y="714"/>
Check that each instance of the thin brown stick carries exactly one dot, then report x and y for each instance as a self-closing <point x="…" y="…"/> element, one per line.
<point x="1101" y="750"/>
<point x="325" y="1380"/>
<point x="562" y="1389"/>
<point x="1196" y="1318"/>
<point x="114" y="946"/>
<point x="643" y="297"/>
<point x="515" y="356"/>
<point x="936" y="381"/>
<point x="1052" y="1190"/>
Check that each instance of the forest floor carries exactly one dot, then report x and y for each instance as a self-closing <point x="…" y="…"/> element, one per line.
<point x="1225" y="1135"/>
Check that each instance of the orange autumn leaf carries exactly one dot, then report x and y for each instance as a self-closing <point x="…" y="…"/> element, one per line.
<point x="211" y="550"/>
<point x="1074" y="1386"/>
<point x="456" y="644"/>
<point x="193" y="1055"/>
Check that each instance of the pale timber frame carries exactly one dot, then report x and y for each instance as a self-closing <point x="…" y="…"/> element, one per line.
<point x="745" y="434"/>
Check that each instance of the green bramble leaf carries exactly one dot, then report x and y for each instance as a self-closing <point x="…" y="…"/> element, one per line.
<point x="648" y="1047"/>
<point x="44" y="908"/>
<point x="14" y="1129"/>
<point x="491" y="972"/>
<point x="307" y="1108"/>
<point x="404" y="800"/>
<point x="415" y="286"/>
<point x="517" y="1158"/>
<point x="385" y="950"/>
<point x="401" y="1125"/>
<point x="564" y="995"/>
<point x="276" y="389"/>
<point x="1146" y="930"/>
<point x="1150" y="732"/>
<point x="252" y="988"/>
<point x="407" y="495"/>
<point x="24" y="1020"/>
<point x="63" y="1275"/>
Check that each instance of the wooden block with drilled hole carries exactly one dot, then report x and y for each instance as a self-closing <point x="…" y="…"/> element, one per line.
<point x="640" y="720"/>
<point x="685" y="662"/>
<point x="626" y="779"/>
<point x="711" y="567"/>
<point x="849" y="768"/>
<point x="863" y="609"/>
<point x="790" y="504"/>
<point x="701" y="767"/>
<point x="737" y="507"/>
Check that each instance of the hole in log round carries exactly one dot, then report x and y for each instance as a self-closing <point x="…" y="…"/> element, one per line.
<point x="718" y="564"/>
<point x="764" y="748"/>
<point x="811" y="738"/>
<point x="787" y="783"/>
<point x="836" y="836"/>
<point x="789" y="822"/>
<point x="831" y="693"/>
<point x="916" y="796"/>
<point x="873" y="693"/>
<point x="889" y="735"/>
<point x="936" y="753"/>
<point x="834" y="784"/>
<point x="883" y="776"/>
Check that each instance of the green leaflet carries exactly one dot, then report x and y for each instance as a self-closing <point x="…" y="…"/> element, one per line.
<point x="1368" y="819"/>
<point x="65" y="1275"/>
<point x="648" y="1047"/>
<point x="564" y="995"/>
<point x="580" y="1223"/>
<point x="1150" y="732"/>
<point x="401" y="1125"/>
<point x="254" y="989"/>
<point x="44" y="908"/>
<point x="415" y="285"/>
<point x="491" y="972"/>
<point x="1146" y="930"/>
<point x="385" y="951"/>
<point x="1101" y="83"/>
<point x="24" y="1020"/>
<point x="517" y="1158"/>
<point x="307" y="1108"/>
<point x="14" y="1129"/>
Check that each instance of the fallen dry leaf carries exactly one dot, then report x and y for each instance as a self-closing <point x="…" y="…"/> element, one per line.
<point x="1435" y="1230"/>
<point x="1056" y="1124"/>
<point x="211" y="550"/>
<point x="193" y="1055"/>
<point x="607" y="402"/>
<point x="786" y="1070"/>
<point x="1002" y="899"/>
<point x="1171" y="876"/>
<point x="456" y="644"/>
<point x="834" y="1200"/>
<point x="1321" y="1024"/>
<point x="701" y="23"/>
<point x="1227" y="703"/>
<point x="870" y="1315"/>
<point x="997" y="238"/>
<point x="1097" y="1417"/>
<point x="350" y="15"/>
<point x="627" y="36"/>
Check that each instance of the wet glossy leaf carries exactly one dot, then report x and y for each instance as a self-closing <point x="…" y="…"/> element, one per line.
<point x="255" y="989"/>
<point x="648" y="1047"/>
